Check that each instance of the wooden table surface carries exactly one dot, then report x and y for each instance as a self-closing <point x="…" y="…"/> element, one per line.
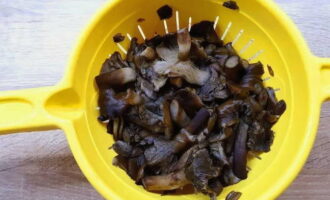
<point x="36" y="38"/>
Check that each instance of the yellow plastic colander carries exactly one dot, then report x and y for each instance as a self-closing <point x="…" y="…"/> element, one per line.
<point x="303" y="79"/>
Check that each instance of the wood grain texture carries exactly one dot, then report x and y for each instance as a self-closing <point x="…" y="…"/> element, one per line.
<point x="36" y="38"/>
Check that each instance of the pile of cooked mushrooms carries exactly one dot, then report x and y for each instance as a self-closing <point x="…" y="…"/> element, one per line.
<point x="185" y="109"/>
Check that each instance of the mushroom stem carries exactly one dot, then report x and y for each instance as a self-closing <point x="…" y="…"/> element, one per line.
<point x="184" y="42"/>
<point x="167" y="119"/>
<point x="179" y="116"/>
<point x="188" y="135"/>
<point x="198" y="122"/>
<point x="233" y="69"/>
<point x="170" y="181"/>
<point x="116" y="78"/>
<point x="240" y="151"/>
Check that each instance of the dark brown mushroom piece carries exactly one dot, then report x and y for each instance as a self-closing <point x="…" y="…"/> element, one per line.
<point x="230" y="49"/>
<point x="228" y="177"/>
<point x="270" y="70"/>
<point x="218" y="152"/>
<point x="122" y="148"/>
<point x="214" y="88"/>
<point x="259" y="138"/>
<point x="154" y="41"/>
<point x="110" y="106"/>
<point x="107" y="66"/>
<point x="228" y="113"/>
<point x="146" y="119"/>
<point x="140" y="20"/>
<point x="221" y="51"/>
<point x="114" y="62"/>
<point x="162" y="149"/>
<point x="263" y="97"/>
<point x="233" y="195"/>
<point x="240" y="151"/>
<point x="121" y="162"/>
<point x="231" y="5"/>
<point x="136" y="167"/>
<point x="165" y="12"/>
<point x="215" y="188"/>
<point x="117" y="61"/>
<point x="280" y="108"/>
<point x="118" y="38"/>
<point x="205" y="30"/>
<point x="272" y="100"/>
<point x="252" y="77"/>
<point x="190" y="102"/>
<point x="221" y="136"/>
<point x="201" y="171"/>
<point x="115" y="79"/>
<point x="183" y="161"/>
<point x="197" y="52"/>
<point x="133" y="50"/>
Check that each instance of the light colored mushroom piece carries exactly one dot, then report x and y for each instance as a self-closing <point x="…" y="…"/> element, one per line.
<point x="178" y="115"/>
<point x="118" y="77"/>
<point x="232" y="62"/>
<point x="186" y="70"/>
<point x="160" y="81"/>
<point x="189" y="72"/>
<point x="168" y="55"/>
<point x="184" y="43"/>
<point x="167" y="119"/>
<point x="170" y="181"/>
<point x="149" y="53"/>
<point x="116" y="127"/>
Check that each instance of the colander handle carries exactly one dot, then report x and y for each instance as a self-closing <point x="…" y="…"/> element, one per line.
<point x="324" y="64"/>
<point x="24" y="110"/>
